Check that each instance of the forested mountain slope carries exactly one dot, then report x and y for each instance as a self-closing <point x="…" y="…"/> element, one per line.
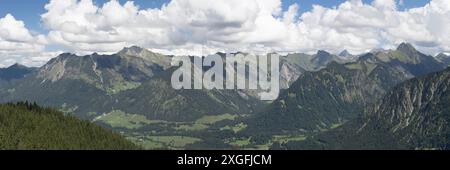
<point x="28" y="126"/>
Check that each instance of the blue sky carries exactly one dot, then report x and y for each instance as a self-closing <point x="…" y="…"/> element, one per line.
<point x="29" y="10"/>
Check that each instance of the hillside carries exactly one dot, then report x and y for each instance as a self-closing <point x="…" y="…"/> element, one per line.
<point x="445" y="59"/>
<point x="14" y="72"/>
<point x="414" y="115"/>
<point x="28" y="126"/>
<point x="327" y="98"/>
<point x="157" y="100"/>
<point x="293" y="65"/>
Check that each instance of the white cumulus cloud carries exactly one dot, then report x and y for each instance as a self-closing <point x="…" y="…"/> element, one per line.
<point x="196" y="26"/>
<point x="359" y="27"/>
<point x="183" y="26"/>
<point x="19" y="45"/>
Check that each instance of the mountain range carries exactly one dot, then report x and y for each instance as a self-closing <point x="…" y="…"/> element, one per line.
<point x="130" y="92"/>
<point x="329" y="97"/>
<point x="413" y="115"/>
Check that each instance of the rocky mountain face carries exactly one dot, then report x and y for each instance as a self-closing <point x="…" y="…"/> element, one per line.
<point x="110" y="73"/>
<point x="345" y="54"/>
<point x="156" y="99"/>
<point x="324" y="99"/>
<point x="413" y="115"/>
<point x="445" y="59"/>
<point x="84" y="85"/>
<point x="148" y="56"/>
<point x="133" y="80"/>
<point x="416" y="113"/>
<point x="293" y="65"/>
<point x="408" y="57"/>
<point x="289" y="71"/>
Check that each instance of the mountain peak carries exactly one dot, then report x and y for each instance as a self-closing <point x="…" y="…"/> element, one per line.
<point x="323" y="58"/>
<point x="378" y="50"/>
<point x="61" y="57"/>
<point x="406" y="48"/>
<point x="443" y="58"/>
<point x="15" y="71"/>
<point x="322" y="52"/>
<point x="133" y="50"/>
<point x="221" y="54"/>
<point x="441" y="55"/>
<point x="65" y="55"/>
<point x="345" y="53"/>
<point x="17" y="65"/>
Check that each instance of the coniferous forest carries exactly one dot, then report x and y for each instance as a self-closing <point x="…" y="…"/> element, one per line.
<point x="27" y="126"/>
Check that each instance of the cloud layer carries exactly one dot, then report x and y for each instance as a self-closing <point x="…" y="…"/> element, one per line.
<point x="360" y="27"/>
<point x="205" y="26"/>
<point x="17" y="44"/>
<point x="251" y="25"/>
<point x="180" y="26"/>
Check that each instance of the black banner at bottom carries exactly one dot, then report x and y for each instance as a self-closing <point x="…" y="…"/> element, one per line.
<point x="224" y="159"/>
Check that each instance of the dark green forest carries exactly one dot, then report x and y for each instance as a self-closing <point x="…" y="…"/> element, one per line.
<point x="27" y="126"/>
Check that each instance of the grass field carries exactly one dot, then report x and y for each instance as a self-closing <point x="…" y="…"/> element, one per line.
<point x="239" y="142"/>
<point x="205" y="122"/>
<point x="211" y="119"/>
<point x="191" y="127"/>
<point x="163" y="142"/>
<point x="235" y="128"/>
<point x="119" y="119"/>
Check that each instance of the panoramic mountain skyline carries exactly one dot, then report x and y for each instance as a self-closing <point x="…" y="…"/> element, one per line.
<point x="129" y="92"/>
<point x="211" y="83"/>
<point x="205" y="27"/>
